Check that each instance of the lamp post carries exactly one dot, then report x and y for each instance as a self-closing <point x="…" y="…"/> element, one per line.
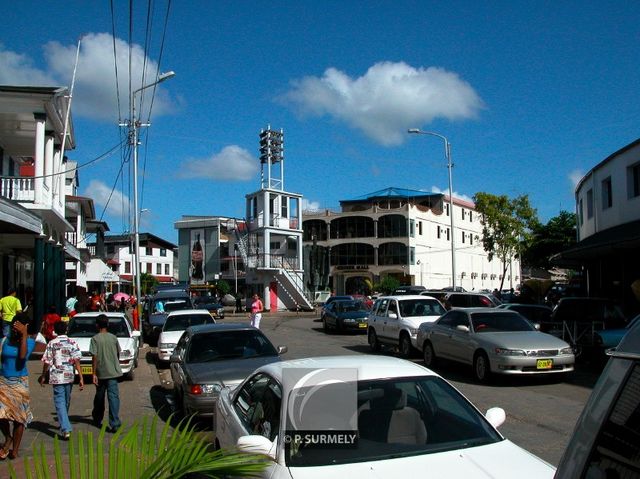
<point x="134" y="124"/>
<point x="447" y="154"/>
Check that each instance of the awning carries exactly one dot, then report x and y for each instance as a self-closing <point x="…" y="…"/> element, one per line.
<point x="99" y="272"/>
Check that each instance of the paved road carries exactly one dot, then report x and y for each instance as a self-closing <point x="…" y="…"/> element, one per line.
<point x="541" y="412"/>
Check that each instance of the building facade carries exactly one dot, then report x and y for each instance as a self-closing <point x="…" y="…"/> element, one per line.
<point x="608" y="221"/>
<point x="401" y="233"/>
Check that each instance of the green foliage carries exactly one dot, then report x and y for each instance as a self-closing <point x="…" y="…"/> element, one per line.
<point x="387" y="285"/>
<point x="141" y="452"/>
<point x="556" y="236"/>
<point x="223" y="287"/>
<point x="148" y="283"/>
<point x="506" y="225"/>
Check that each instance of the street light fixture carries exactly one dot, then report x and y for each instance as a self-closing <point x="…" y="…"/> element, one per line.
<point x="447" y="154"/>
<point x="134" y="124"/>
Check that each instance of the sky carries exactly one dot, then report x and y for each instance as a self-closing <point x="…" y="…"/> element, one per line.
<point x="531" y="96"/>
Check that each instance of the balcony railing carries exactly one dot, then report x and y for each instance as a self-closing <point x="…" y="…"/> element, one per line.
<point x="17" y="188"/>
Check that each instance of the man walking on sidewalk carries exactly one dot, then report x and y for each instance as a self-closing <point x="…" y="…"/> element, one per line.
<point x="61" y="360"/>
<point x="106" y="370"/>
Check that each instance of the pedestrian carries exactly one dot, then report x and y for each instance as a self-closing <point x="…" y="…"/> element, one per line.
<point x="256" y="311"/>
<point x="60" y="360"/>
<point x="9" y="307"/>
<point x="14" y="385"/>
<point x="238" y="303"/>
<point x="71" y="304"/>
<point x="48" y="322"/>
<point x="105" y="350"/>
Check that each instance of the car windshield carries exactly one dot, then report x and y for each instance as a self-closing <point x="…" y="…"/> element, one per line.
<point x="492" y="322"/>
<point x="222" y="345"/>
<point x="350" y="306"/>
<point x="398" y="417"/>
<point x="420" y="307"/>
<point x="180" y="322"/>
<point x="86" y="327"/>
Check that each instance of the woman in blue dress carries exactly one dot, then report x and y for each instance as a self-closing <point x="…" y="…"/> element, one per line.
<point x="14" y="386"/>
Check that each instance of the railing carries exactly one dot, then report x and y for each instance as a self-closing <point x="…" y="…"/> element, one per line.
<point x="17" y="188"/>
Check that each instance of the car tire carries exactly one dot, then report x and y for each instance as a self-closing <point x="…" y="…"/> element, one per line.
<point x="404" y="346"/>
<point x="481" y="367"/>
<point x="325" y="326"/>
<point x="130" y="376"/>
<point x="372" y="337"/>
<point x="428" y="354"/>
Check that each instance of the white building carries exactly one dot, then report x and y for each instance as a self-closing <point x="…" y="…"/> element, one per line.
<point x="401" y="233"/>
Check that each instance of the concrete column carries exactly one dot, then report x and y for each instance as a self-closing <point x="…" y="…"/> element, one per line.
<point x="266" y="296"/>
<point x="266" y="248"/>
<point x="59" y="180"/>
<point x="38" y="155"/>
<point x="38" y="283"/>
<point x="49" y="294"/>
<point x="48" y="161"/>
<point x="300" y="254"/>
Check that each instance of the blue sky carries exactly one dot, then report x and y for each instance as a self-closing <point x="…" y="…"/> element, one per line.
<point x="531" y="95"/>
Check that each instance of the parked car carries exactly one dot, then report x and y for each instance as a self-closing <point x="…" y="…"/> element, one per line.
<point x="493" y="341"/>
<point x="536" y="313"/>
<point x="345" y="315"/>
<point x="212" y="356"/>
<point x="176" y="324"/>
<point x="394" y="321"/>
<point x="472" y="300"/>
<point x="157" y="308"/>
<point x="606" y="440"/>
<point x="330" y="300"/>
<point x="82" y="327"/>
<point x="408" y="421"/>
<point x="215" y="308"/>
<point x="610" y="338"/>
<point x="408" y="289"/>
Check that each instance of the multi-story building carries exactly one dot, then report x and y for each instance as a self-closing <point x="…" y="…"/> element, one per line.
<point x="608" y="216"/>
<point x="156" y="256"/>
<point x="401" y="233"/>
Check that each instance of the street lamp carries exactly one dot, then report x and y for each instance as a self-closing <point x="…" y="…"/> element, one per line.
<point x="447" y="154"/>
<point x="134" y="124"/>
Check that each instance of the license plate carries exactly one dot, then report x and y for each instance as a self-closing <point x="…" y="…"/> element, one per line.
<point x="544" y="363"/>
<point x="86" y="369"/>
<point x="362" y="325"/>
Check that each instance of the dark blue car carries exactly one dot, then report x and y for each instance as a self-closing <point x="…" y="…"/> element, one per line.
<point x="345" y="315"/>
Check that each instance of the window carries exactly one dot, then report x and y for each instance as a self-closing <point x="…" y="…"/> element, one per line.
<point x="464" y="235"/>
<point x="412" y="228"/>
<point x="420" y="228"/>
<point x="581" y="212"/>
<point x="258" y="406"/>
<point x="448" y="231"/>
<point x="166" y="270"/>
<point x="607" y="197"/>
<point x="589" y="204"/>
<point x="163" y="252"/>
<point x="464" y="213"/>
<point x="127" y="267"/>
<point x="158" y="268"/>
<point x="285" y="207"/>
<point x="412" y="255"/>
<point x="274" y="245"/>
<point x="470" y="216"/>
<point x="439" y="230"/>
<point x="470" y="238"/>
<point x="446" y="208"/>
<point x="148" y="251"/>
<point x="149" y="265"/>
<point x="633" y="180"/>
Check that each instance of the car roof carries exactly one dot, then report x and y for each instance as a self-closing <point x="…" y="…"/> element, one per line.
<point x="183" y="312"/>
<point x="523" y="305"/>
<point x="170" y="294"/>
<point x="405" y="297"/>
<point x="95" y="314"/>
<point x="212" y="328"/>
<point x="368" y="367"/>
<point x="630" y="343"/>
<point x="484" y="310"/>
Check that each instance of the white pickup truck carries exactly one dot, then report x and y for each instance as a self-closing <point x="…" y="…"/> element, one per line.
<point x="394" y="321"/>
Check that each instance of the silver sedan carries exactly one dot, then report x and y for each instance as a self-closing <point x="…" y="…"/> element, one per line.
<point x="493" y="341"/>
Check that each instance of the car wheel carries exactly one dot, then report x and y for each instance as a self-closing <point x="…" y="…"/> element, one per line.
<point x="428" y="355"/>
<point x="406" y="349"/>
<point x="130" y="375"/>
<point x="373" y="340"/>
<point x="325" y="326"/>
<point x="481" y="367"/>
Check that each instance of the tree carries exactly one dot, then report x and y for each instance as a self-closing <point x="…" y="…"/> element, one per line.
<point x="223" y="287"/>
<point x="387" y="285"/>
<point x="556" y="236"/>
<point x="147" y="283"/>
<point x="506" y="226"/>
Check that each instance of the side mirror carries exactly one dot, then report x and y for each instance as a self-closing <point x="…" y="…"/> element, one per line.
<point x="175" y="358"/>
<point x="496" y="416"/>
<point x="282" y="349"/>
<point x="256" y="444"/>
<point x="536" y="326"/>
<point x="463" y="328"/>
<point x="392" y="316"/>
<point x="135" y="333"/>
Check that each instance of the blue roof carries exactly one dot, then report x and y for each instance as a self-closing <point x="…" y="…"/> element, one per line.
<point x="393" y="192"/>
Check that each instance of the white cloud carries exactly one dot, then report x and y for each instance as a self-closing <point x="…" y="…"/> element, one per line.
<point x="387" y="100"/>
<point x="308" y="205"/>
<point x="115" y="205"/>
<point x="232" y="163"/>
<point x="94" y="93"/>
<point x="575" y="176"/>
<point x="435" y="189"/>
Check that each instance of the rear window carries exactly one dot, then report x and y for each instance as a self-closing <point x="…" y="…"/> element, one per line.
<point x="86" y="327"/>
<point x="420" y="307"/>
<point x="183" y="321"/>
<point x="222" y="345"/>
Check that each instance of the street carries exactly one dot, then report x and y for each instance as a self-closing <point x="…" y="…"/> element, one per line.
<point x="541" y="411"/>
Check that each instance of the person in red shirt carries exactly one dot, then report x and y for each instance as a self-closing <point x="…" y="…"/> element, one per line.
<point x="48" y="322"/>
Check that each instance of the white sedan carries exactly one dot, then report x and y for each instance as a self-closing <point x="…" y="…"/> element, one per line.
<point x="366" y="417"/>
<point x="176" y="324"/>
<point x="82" y="327"/>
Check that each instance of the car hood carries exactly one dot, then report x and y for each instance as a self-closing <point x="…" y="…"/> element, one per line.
<point x="416" y="321"/>
<point x="501" y="460"/>
<point x="227" y="372"/>
<point x="522" y="340"/>
<point x="84" y="343"/>
<point x="170" y="336"/>
<point x="157" y="319"/>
